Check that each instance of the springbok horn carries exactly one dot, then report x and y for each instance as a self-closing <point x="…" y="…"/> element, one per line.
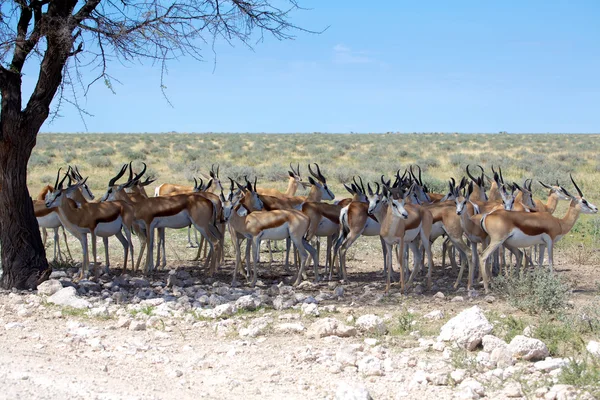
<point x="321" y="177"/>
<point x="369" y="188"/>
<point x="57" y="178"/>
<point x="576" y="187"/>
<point x="377" y="191"/>
<point x="469" y="174"/>
<point x="118" y="176"/>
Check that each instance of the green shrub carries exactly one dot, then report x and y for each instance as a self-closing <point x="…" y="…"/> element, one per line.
<point x="100" y="162"/>
<point x="39" y="160"/>
<point x="535" y="292"/>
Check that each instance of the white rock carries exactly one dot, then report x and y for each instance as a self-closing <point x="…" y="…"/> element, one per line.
<point x="329" y="327"/>
<point x="528" y="331"/>
<point x="310" y="309"/>
<point x="371" y="323"/>
<point x="256" y="328"/>
<point x="49" y="287"/>
<point x="502" y="357"/>
<point x="435" y="315"/>
<point x="13" y="325"/>
<point x="224" y="310"/>
<point x="248" y="303"/>
<point x="439" y="295"/>
<point x="290" y="328"/>
<point x="123" y="322"/>
<point x="370" y="366"/>
<point x="458" y="375"/>
<point x="550" y="364"/>
<point x="457" y="299"/>
<point x="512" y="390"/>
<point x="491" y="342"/>
<point x="528" y="348"/>
<point x="561" y="392"/>
<point x="371" y="341"/>
<point x="439" y="379"/>
<point x="593" y="348"/>
<point x="439" y="346"/>
<point x="354" y="391"/>
<point x="346" y="356"/>
<point x="68" y="297"/>
<point x="467" y="329"/>
<point x="474" y="385"/>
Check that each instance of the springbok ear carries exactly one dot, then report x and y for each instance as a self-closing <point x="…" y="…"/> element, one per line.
<point x="311" y="180"/>
<point x="291" y="174"/>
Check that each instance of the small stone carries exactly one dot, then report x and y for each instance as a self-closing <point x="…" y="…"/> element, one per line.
<point x="440" y="379"/>
<point x="458" y="375"/>
<point x="136" y="325"/>
<point x="550" y="364"/>
<point x="339" y="292"/>
<point x="418" y="289"/>
<point x="502" y="357"/>
<point x="310" y="309"/>
<point x="489" y="298"/>
<point x="13" y="325"/>
<point x="370" y="366"/>
<point x="467" y="329"/>
<point x="457" y="299"/>
<point x="355" y="391"/>
<point x="528" y="331"/>
<point x="289" y="328"/>
<point x="512" y="390"/>
<point x="371" y="341"/>
<point x="68" y="297"/>
<point x="439" y="295"/>
<point x="528" y="348"/>
<point x="224" y="310"/>
<point x="593" y="348"/>
<point x="123" y="322"/>
<point x="330" y="327"/>
<point x="474" y="385"/>
<point x="435" y="315"/>
<point x="49" y="287"/>
<point x="491" y="342"/>
<point x="371" y="323"/>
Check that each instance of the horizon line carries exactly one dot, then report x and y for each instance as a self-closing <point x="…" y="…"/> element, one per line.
<point x="320" y="133"/>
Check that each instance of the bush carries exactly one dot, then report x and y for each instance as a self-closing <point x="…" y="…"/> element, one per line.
<point x="535" y="292"/>
<point x="100" y="162"/>
<point x="427" y="163"/>
<point x="69" y="156"/>
<point x="39" y="160"/>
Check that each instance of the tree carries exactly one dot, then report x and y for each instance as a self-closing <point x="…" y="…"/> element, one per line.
<point x="70" y="39"/>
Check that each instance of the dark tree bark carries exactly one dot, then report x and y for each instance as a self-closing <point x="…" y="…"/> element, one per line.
<point x="98" y="31"/>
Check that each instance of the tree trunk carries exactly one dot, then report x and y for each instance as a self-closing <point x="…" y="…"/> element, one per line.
<point x="24" y="262"/>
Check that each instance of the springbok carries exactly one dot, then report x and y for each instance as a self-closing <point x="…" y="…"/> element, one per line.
<point x="250" y="221"/>
<point x="97" y="219"/>
<point x="520" y="229"/>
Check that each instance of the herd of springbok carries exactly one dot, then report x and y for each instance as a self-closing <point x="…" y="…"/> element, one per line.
<point x="476" y="210"/>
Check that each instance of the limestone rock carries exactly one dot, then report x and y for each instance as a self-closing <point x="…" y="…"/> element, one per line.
<point x="355" y="391"/>
<point x="491" y="342"/>
<point x="330" y="327"/>
<point x="68" y="297"/>
<point x="49" y="287"/>
<point x="467" y="329"/>
<point x="371" y="323"/>
<point x="528" y="348"/>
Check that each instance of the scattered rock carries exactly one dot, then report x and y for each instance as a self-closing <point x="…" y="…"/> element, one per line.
<point x="435" y="315"/>
<point x="68" y="297"/>
<point x="467" y="329"/>
<point x="458" y="375"/>
<point x="489" y="298"/>
<point x="440" y="379"/>
<point x="439" y="295"/>
<point x="529" y="349"/>
<point x="457" y="299"/>
<point x="248" y="302"/>
<point x="370" y="366"/>
<point x="561" y="392"/>
<point x="550" y="364"/>
<point x="355" y="391"/>
<point x="224" y="310"/>
<point x="49" y="287"/>
<point x="371" y="323"/>
<point x="512" y="390"/>
<point x="290" y="328"/>
<point x="491" y="342"/>
<point x="330" y="327"/>
<point x="502" y="357"/>
<point x="13" y="325"/>
<point x="339" y="292"/>
<point x="123" y="322"/>
<point x="136" y="325"/>
<point x="310" y="309"/>
<point x="257" y="327"/>
<point x="593" y="348"/>
<point x="475" y="386"/>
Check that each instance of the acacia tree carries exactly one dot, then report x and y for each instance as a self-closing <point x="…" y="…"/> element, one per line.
<point x="71" y="39"/>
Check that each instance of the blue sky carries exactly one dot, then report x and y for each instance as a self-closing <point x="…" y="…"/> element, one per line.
<point x="466" y="66"/>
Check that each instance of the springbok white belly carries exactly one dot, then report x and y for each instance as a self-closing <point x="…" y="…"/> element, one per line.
<point x="106" y="229"/>
<point x="372" y="228"/>
<point x="177" y="221"/>
<point x="437" y="230"/>
<point x="519" y="239"/>
<point x="412" y="234"/>
<point x="327" y="228"/>
<point x="49" y="221"/>
<point x="279" y="233"/>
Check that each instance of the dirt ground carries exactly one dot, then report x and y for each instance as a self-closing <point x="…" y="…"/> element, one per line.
<point x="47" y="352"/>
